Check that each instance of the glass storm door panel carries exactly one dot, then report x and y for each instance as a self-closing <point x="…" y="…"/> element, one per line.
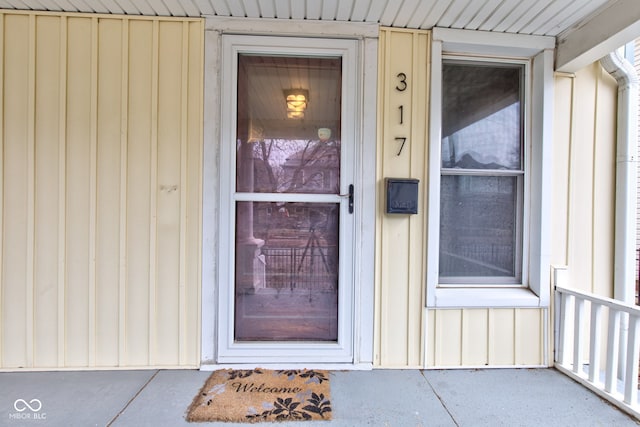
<point x="289" y="126"/>
<point x="288" y="143"/>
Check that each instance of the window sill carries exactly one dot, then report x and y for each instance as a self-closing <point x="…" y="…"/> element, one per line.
<point x="485" y="298"/>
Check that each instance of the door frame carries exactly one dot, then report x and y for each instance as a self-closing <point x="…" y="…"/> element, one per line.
<point x="228" y="350"/>
<point x="215" y="201"/>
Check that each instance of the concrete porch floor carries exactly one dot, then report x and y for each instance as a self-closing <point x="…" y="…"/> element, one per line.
<point x="491" y="397"/>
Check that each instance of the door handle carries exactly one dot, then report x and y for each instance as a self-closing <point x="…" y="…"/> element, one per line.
<point x="350" y="196"/>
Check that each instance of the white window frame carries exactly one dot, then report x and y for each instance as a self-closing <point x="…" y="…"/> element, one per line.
<point x="522" y="204"/>
<point x="538" y="51"/>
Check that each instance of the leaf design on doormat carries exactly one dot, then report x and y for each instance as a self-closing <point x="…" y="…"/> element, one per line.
<point x="284" y="409"/>
<point x="240" y="373"/>
<point x="319" y="376"/>
<point x="318" y="404"/>
<point x="289" y="373"/>
<point x="214" y="391"/>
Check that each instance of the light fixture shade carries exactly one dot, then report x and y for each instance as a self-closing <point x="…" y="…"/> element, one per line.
<point x="324" y="134"/>
<point x="296" y="102"/>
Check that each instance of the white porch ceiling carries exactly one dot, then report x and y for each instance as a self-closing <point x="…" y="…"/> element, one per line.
<point x="600" y="23"/>
<point x="540" y="17"/>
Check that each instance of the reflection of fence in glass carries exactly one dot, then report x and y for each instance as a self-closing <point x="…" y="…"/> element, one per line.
<point x="477" y="260"/>
<point x="312" y="267"/>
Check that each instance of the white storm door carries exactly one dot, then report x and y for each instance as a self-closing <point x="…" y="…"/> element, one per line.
<point x="289" y="132"/>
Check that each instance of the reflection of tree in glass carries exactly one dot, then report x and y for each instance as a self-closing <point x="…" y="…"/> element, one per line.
<point x="264" y="155"/>
<point x="297" y="165"/>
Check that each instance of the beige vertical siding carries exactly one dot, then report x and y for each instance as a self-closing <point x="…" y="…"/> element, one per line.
<point x="401" y="253"/>
<point x="584" y="173"/>
<point x="584" y="176"/>
<point x="636" y="63"/>
<point x="486" y="337"/>
<point x="100" y="195"/>
<point x="452" y="337"/>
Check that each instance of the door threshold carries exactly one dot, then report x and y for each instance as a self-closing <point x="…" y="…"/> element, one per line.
<point x="282" y="366"/>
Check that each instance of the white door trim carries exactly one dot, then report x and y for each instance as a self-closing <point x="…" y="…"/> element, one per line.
<point x="364" y="124"/>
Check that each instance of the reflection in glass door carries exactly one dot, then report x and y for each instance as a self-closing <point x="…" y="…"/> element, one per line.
<point x="287" y="198"/>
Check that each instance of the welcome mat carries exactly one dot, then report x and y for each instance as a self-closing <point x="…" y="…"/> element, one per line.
<point x="263" y="395"/>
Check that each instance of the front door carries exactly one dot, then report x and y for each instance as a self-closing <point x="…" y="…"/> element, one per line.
<point x="286" y="289"/>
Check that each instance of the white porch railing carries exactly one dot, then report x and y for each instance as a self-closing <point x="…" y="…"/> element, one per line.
<point x="596" y="349"/>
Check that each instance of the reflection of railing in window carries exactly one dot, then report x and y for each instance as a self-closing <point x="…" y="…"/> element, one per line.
<point x="477" y="259"/>
<point x="293" y="268"/>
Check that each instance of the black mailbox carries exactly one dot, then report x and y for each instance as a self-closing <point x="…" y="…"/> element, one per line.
<point x="402" y="195"/>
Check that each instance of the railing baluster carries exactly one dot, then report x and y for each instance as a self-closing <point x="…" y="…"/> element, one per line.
<point x="595" y="342"/>
<point x="613" y="339"/>
<point x="577" y="336"/>
<point x="631" y="375"/>
<point x="564" y="313"/>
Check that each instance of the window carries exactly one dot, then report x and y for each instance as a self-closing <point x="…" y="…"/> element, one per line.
<point x="482" y="173"/>
<point x="489" y="185"/>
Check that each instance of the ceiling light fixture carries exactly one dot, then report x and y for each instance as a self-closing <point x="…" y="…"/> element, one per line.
<point x="296" y="102"/>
